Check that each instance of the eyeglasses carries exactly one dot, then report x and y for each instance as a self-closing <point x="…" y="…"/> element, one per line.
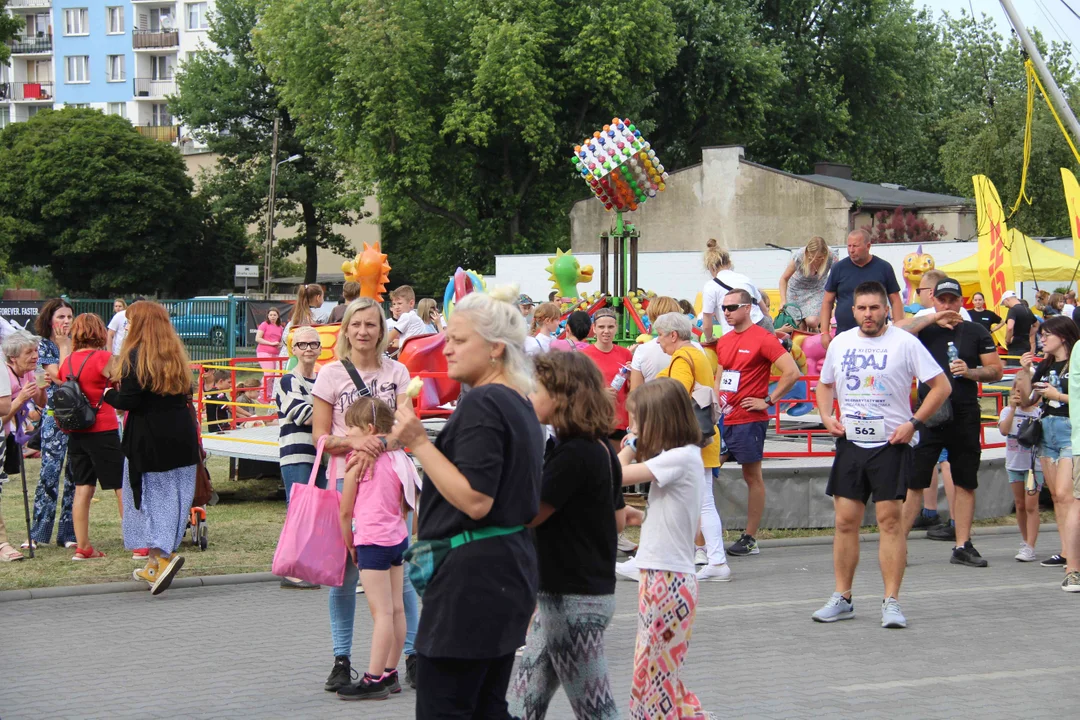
<point x="313" y="345"/>
<point x="733" y="308"/>
<point x="922" y="290"/>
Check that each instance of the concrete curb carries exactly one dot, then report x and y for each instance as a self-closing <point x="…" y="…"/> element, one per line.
<point x="132" y="586"/>
<point x="241" y="578"/>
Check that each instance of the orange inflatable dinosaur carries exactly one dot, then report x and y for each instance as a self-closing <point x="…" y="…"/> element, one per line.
<point x="371" y="270"/>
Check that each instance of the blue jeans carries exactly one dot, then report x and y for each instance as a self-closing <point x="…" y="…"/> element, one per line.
<point x="343" y="607"/>
<point x="300" y="473"/>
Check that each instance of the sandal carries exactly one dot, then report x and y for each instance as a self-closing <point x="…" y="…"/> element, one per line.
<point x="88" y="554"/>
<point x="9" y="554"/>
<point x="26" y="545"/>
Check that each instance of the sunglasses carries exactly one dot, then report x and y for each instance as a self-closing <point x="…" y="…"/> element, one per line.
<point x="313" y="345"/>
<point x="733" y="308"/>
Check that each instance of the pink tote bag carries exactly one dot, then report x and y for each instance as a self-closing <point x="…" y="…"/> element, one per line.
<point x="310" y="546"/>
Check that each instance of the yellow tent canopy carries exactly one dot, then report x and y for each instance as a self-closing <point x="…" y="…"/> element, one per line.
<point x="1044" y="264"/>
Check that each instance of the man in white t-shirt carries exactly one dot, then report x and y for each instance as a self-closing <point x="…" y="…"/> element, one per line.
<point x="118" y="328"/>
<point x="406" y="322"/>
<point x="870" y="368"/>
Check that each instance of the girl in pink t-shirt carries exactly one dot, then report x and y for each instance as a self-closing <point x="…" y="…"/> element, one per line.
<point x="373" y="510"/>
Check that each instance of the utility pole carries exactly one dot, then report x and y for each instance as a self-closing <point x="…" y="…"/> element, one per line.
<point x="270" y="212"/>
<point x="1056" y="96"/>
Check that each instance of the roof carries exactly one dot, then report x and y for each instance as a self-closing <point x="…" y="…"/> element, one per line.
<point x="886" y="196"/>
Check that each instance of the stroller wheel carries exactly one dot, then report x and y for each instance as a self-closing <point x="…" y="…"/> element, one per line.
<point x="204" y="539"/>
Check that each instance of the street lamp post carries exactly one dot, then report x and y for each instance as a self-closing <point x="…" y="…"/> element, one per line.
<point x="270" y="207"/>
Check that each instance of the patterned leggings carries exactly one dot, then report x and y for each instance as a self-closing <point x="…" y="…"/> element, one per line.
<point x="53" y="449"/>
<point x="666" y="604"/>
<point x="565" y="645"/>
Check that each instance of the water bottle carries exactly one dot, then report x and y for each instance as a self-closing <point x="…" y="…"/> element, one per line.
<point x="1052" y="378"/>
<point x="954" y="354"/>
<point x="619" y="380"/>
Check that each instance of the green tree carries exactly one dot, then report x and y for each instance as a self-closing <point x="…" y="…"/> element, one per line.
<point x="230" y="101"/>
<point x="10" y="25"/>
<point x="107" y="210"/>
<point x="464" y="114"/>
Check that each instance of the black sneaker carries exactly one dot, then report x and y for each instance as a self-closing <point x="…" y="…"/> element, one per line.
<point x="1053" y="561"/>
<point x="944" y="531"/>
<point x="366" y="689"/>
<point x="967" y="555"/>
<point x="925" y="522"/>
<point x="745" y="545"/>
<point x="410" y="670"/>
<point x="392" y="683"/>
<point x="341" y="675"/>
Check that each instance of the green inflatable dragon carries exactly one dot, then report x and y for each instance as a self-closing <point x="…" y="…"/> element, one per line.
<point x="566" y="273"/>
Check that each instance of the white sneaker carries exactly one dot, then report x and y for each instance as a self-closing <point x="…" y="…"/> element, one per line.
<point x="714" y="573"/>
<point x="1026" y="554"/>
<point x="626" y="545"/>
<point x="700" y="556"/>
<point x="628" y="570"/>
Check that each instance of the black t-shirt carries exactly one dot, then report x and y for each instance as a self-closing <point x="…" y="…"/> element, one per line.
<point x="971" y="341"/>
<point x="218" y="416"/>
<point x="1042" y="374"/>
<point x="578" y="483"/>
<point x="1022" y="319"/>
<point x="985" y="317"/>
<point x="845" y="276"/>
<point x="479" y="603"/>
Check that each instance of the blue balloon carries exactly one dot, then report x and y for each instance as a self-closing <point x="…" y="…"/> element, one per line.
<point x="602" y="140"/>
<point x="583" y="154"/>
<point x="611" y="133"/>
<point x="637" y="133"/>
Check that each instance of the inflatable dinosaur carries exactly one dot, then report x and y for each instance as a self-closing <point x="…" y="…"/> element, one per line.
<point x="566" y="272"/>
<point x="916" y="265"/>
<point x="371" y="270"/>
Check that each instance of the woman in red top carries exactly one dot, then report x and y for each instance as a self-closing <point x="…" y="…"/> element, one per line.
<point x="94" y="454"/>
<point x="612" y="360"/>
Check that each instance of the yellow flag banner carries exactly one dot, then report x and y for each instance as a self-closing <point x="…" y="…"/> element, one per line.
<point x="1072" y="198"/>
<point x="995" y="260"/>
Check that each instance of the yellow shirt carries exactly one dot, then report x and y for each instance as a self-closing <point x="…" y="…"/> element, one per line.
<point x="679" y="369"/>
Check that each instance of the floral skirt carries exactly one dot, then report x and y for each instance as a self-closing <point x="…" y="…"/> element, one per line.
<point x="166" y="507"/>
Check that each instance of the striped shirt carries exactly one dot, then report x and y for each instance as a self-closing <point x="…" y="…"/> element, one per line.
<point x="294" y="410"/>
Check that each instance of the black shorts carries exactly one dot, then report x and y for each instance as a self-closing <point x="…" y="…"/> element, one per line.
<point x="961" y="438"/>
<point x="96" y="457"/>
<point x="858" y="472"/>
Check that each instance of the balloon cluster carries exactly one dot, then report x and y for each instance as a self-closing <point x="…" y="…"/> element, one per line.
<point x="620" y="166"/>
<point x="640" y="299"/>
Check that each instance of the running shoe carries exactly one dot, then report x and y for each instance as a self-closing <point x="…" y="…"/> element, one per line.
<point x="745" y="545"/>
<point x="891" y="617"/>
<point x="391" y="682"/>
<point x="1026" y="554"/>
<point x="837" y="608"/>
<point x="626" y="545"/>
<point x="1053" y="561"/>
<point x="366" y="689"/>
<point x="628" y="570"/>
<point x="714" y="573"/>
<point x="701" y="557"/>
<point x="967" y="555"/>
<point x="1071" y="583"/>
<point x="944" y="531"/>
<point x="410" y="670"/>
<point x="925" y="522"/>
<point x="341" y="676"/>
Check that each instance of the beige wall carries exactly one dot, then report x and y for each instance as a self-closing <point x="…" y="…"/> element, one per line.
<point x="363" y="231"/>
<point x="740" y="204"/>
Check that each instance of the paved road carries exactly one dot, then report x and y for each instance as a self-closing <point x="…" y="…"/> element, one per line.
<point x="993" y="643"/>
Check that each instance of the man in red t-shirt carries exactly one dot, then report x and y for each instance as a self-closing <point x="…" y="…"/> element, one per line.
<point x="611" y="359"/>
<point x="745" y="356"/>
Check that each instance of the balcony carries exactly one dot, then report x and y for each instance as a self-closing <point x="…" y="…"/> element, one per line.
<point x="162" y="133"/>
<point x="22" y="45"/>
<point x="150" y="88"/>
<point x="154" y="40"/>
<point x="29" y="4"/>
<point x="27" y="91"/>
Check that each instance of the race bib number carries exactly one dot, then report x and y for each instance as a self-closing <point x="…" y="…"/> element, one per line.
<point x="865" y="428"/>
<point x="729" y="381"/>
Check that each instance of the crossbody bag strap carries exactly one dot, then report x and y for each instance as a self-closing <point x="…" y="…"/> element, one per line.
<point x="722" y="284"/>
<point x="482" y="534"/>
<point x="358" y="381"/>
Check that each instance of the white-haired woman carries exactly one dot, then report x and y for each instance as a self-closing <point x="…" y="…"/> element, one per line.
<point x="482" y="473"/>
<point x="17" y="390"/>
<point x="362" y="369"/>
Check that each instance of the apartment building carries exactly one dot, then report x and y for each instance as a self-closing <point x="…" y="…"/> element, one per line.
<point x="118" y="56"/>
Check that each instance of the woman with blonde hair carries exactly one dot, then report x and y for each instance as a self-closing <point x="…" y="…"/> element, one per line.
<point x="719" y="265"/>
<point x="482" y="475"/>
<point x="117" y="326"/>
<point x="160" y="441"/>
<point x="545" y="322"/>
<point x="803" y="281"/>
<point x="428" y="312"/>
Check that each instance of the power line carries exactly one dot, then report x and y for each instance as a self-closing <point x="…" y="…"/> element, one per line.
<point x="1077" y="15"/>
<point x="1056" y="28"/>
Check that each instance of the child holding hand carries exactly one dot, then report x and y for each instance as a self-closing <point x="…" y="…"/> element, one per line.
<point x="374" y="503"/>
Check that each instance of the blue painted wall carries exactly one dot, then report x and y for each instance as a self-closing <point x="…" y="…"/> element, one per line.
<point x="97" y="45"/>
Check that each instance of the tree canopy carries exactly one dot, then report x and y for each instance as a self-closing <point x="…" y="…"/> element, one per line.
<point x="108" y="210"/>
<point x="10" y="25"/>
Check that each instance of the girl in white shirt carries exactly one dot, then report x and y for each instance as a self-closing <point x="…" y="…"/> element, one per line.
<point x="663" y="440"/>
<point x="545" y="322"/>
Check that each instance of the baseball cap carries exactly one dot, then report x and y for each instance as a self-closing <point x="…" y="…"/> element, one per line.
<point x="947" y="286"/>
<point x="524" y="299"/>
<point x="1007" y="294"/>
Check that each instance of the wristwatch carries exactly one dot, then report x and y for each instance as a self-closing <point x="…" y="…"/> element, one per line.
<point x="917" y="423"/>
<point x="769" y="401"/>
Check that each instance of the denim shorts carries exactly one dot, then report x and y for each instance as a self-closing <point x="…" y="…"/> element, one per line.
<point x="381" y="557"/>
<point x="1019" y="476"/>
<point x="1057" y="438"/>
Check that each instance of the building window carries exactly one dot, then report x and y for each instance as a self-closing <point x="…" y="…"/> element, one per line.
<point x="118" y="109"/>
<point x="115" y="20"/>
<point x="77" y="21"/>
<point x="79" y="106"/>
<point x="39" y="71"/>
<point x="161" y="67"/>
<point x="160" y="20"/>
<point x="5" y="118"/>
<point x="160" y="115"/>
<point x="32" y="110"/>
<point x="115" y="68"/>
<point x="196" y="16"/>
<point x="78" y="68"/>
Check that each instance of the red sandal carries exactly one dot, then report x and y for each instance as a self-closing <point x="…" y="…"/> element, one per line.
<point x="88" y="554"/>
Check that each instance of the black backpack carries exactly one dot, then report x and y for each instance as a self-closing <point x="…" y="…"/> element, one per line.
<point x="71" y="408"/>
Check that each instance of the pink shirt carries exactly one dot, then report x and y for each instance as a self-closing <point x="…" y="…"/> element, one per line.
<point x="334" y="385"/>
<point x="566" y="346"/>
<point x="377" y="516"/>
<point x="271" y="333"/>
